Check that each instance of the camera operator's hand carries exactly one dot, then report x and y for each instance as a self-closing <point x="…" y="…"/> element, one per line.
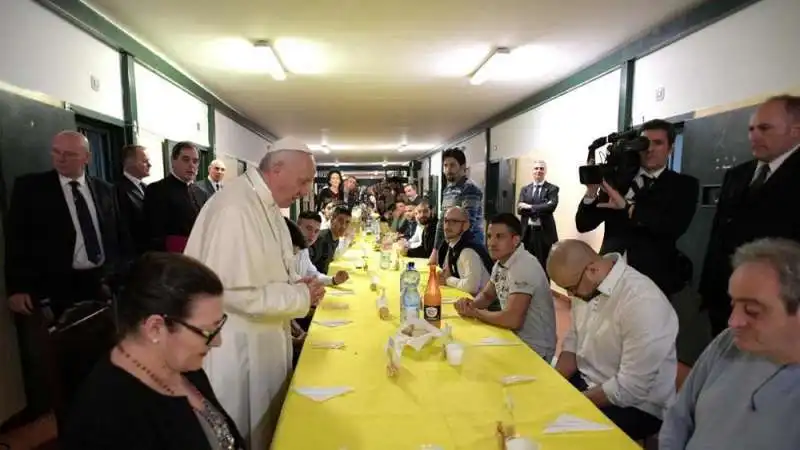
<point x="615" y="199"/>
<point x="592" y="190"/>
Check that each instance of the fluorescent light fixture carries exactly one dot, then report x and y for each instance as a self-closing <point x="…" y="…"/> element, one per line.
<point x="497" y="63"/>
<point x="265" y="55"/>
<point x="302" y="57"/>
<point x="336" y="163"/>
<point x="376" y="147"/>
<point x="402" y="148"/>
<point x="367" y="163"/>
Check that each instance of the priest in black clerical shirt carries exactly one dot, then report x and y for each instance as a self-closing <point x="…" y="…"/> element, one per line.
<point x="171" y="205"/>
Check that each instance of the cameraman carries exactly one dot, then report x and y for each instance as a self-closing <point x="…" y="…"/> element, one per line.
<point x="643" y="220"/>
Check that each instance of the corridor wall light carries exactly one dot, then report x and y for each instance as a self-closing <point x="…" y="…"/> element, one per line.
<point x="267" y="58"/>
<point x="496" y="63"/>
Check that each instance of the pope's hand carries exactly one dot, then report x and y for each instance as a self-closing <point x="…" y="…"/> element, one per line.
<point x="340" y="277"/>
<point x="316" y="290"/>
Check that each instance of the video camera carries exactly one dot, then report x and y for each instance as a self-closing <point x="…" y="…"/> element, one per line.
<point x="622" y="159"/>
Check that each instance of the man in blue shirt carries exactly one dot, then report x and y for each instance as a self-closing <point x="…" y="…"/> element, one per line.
<point x="744" y="391"/>
<point x="460" y="191"/>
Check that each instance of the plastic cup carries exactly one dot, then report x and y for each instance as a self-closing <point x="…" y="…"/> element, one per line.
<point x="454" y="353"/>
<point x="520" y="443"/>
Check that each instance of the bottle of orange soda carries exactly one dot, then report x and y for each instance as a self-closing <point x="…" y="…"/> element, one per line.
<point x="432" y="300"/>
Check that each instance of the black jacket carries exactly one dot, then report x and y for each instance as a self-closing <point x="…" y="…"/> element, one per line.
<point x="743" y="216"/>
<point x="466" y="241"/>
<point x="543" y="210"/>
<point x="131" y="206"/>
<point x="661" y="215"/>
<point x="170" y="209"/>
<point x="428" y="235"/>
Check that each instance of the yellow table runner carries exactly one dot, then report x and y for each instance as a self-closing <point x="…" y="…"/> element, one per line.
<point x="429" y="402"/>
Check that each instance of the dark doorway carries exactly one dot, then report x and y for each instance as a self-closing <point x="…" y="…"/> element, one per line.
<point x="105" y="142"/>
<point x="500" y="189"/>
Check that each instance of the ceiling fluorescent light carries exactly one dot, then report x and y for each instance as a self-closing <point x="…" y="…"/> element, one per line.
<point x="401" y="148"/>
<point x="496" y="63"/>
<point x="266" y="55"/>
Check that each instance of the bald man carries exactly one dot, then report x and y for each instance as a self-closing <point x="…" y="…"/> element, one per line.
<point x="757" y="200"/>
<point x="64" y="244"/>
<point x="620" y="348"/>
<point x="464" y="260"/>
<point x="243" y="237"/>
<point x="216" y="174"/>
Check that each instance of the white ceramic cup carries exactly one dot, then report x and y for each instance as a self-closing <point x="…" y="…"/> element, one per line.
<point x="455" y="353"/>
<point x="520" y="443"/>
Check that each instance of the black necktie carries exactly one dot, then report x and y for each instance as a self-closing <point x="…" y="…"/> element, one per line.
<point x="647" y="182"/>
<point x="761" y="178"/>
<point x="216" y="185"/>
<point x="537" y="192"/>
<point x="87" y="226"/>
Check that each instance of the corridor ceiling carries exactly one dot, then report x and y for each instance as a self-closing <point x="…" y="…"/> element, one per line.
<point x="370" y="75"/>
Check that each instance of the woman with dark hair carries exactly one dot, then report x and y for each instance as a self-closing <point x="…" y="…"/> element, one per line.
<point x="151" y="392"/>
<point x="333" y="191"/>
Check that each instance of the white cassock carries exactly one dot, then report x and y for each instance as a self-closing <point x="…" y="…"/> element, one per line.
<point x="242" y="236"/>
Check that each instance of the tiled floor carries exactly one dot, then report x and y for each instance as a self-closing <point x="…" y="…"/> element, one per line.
<point x="41" y="434"/>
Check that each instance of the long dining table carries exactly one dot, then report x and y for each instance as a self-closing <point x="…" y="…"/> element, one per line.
<point x="428" y="404"/>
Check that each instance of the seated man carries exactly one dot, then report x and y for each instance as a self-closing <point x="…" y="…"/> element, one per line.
<point x="303" y="235"/>
<point x="620" y="348"/>
<point x="464" y="261"/>
<point x="324" y="249"/>
<point x="744" y="391"/>
<point x="421" y="243"/>
<point x="519" y="282"/>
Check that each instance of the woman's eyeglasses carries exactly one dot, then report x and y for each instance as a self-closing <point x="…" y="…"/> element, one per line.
<point x="207" y="335"/>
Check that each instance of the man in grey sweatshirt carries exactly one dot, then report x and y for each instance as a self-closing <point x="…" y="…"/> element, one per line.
<point x="744" y="391"/>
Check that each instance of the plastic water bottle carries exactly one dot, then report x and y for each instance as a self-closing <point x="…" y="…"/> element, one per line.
<point x="409" y="292"/>
<point x="386" y="253"/>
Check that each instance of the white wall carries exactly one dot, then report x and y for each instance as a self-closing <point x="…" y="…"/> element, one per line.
<point x="237" y="141"/>
<point x="436" y="169"/>
<point x="41" y="52"/>
<point x="559" y="133"/>
<point x="425" y="172"/>
<point x="750" y="54"/>
<point x="475" y="151"/>
<point x="168" y="111"/>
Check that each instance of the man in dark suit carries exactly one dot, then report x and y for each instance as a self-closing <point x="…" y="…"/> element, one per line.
<point x="756" y="200"/>
<point x="130" y="193"/>
<point x="213" y="183"/>
<point x="171" y="205"/>
<point x="643" y="221"/>
<point x="64" y="240"/>
<point x="421" y="244"/>
<point x="64" y="244"/>
<point x="537" y="203"/>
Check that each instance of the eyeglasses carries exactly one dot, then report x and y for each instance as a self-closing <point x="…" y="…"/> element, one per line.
<point x="207" y="335"/>
<point x="446" y="221"/>
<point x="574" y="288"/>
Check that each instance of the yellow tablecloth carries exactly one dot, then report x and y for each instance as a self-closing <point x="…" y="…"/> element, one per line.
<point x="429" y="402"/>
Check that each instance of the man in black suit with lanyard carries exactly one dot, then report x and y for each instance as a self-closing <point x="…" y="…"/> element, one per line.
<point x="758" y="199"/>
<point x="537" y="203"/>
<point x="643" y="222"/>
<point x="130" y="191"/>
<point x="64" y="244"/>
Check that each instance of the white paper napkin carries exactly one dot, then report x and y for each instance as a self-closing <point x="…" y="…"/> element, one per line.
<point x="337" y="292"/>
<point x="328" y="345"/>
<point x="495" y="341"/>
<point x="566" y="423"/>
<point x="516" y="379"/>
<point x="332" y="323"/>
<point x="320" y="394"/>
<point x="449" y="300"/>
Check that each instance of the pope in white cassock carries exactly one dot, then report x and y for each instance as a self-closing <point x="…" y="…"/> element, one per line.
<point x="242" y="236"/>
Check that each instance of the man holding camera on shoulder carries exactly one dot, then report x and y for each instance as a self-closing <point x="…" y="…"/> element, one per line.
<point x="643" y="221"/>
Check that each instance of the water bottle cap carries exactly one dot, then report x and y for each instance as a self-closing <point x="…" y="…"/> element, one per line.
<point x="410" y="265"/>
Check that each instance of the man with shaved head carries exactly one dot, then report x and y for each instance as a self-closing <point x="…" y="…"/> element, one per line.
<point x="464" y="260"/>
<point x="64" y="243"/>
<point x="216" y="174"/>
<point x="756" y="199"/>
<point x="243" y="237"/>
<point x="620" y="348"/>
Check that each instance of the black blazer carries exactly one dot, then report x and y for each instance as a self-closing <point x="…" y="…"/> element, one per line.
<point x="114" y="410"/>
<point x="207" y="187"/>
<point x="131" y="206"/>
<point x="40" y="235"/>
<point x="743" y="216"/>
<point x="170" y="209"/>
<point x="661" y="215"/>
<point x="542" y="210"/>
<point x="428" y="236"/>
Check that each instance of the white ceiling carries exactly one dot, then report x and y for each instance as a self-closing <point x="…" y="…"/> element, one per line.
<point x="384" y="70"/>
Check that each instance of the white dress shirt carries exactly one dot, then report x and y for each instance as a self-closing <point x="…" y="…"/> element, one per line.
<point x="416" y="238"/>
<point x="624" y="340"/>
<point x="136" y="182"/>
<point x="473" y="275"/>
<point x="304" y="267"/>
<point x="80" y="260"/>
